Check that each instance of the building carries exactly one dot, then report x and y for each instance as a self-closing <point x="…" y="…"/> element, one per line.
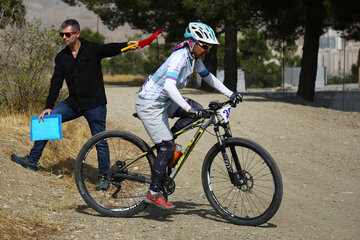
<point x="333" y="50"/>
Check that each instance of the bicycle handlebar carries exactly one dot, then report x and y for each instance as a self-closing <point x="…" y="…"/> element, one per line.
<point x="216" y="105"/>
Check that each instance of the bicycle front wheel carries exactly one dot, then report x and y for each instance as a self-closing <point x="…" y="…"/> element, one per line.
<point x="254" y="194"/>
<point x="124" y="195"/>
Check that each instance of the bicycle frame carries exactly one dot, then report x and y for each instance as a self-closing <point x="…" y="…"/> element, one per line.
<point x="202" y="124"/>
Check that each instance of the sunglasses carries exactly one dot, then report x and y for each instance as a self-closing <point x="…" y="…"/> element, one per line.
<point x="204" y="46"/>
<point x="67" y="34"/>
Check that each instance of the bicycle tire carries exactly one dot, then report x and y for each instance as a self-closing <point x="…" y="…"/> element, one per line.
<point x="123" y="146"/>
<point x="252" y="206"/>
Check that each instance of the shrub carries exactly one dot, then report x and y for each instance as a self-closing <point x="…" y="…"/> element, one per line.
<point x="25" y="56"/>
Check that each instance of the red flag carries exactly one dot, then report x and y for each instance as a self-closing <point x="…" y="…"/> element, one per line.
<point x="148" y="41"/>
<point x="144" y="42"/>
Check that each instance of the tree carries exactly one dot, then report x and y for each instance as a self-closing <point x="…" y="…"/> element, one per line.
<point x="346" y="18"/>
<point x="227" y="17"/>
<point x="173" y="17"/>
<point x="148" y="16"/>
<point x="288" y="20"/>
<point x="91" y="36"/>
<point x="25" y="56"/>
<point x="12" y="12"/>
<point x="254" y="57"/>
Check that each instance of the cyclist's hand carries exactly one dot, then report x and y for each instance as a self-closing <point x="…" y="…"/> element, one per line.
<point x="46" y="111"/>
<point x="195" y="114"/>
<point x="236" y="97"/>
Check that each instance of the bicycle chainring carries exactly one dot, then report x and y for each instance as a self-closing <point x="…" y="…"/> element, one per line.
<point x="169" y="185"/>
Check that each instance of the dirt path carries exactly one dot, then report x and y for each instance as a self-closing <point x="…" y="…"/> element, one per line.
<point x="317" y="151"/>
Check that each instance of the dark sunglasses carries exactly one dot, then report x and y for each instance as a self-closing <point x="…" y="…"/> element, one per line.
<point x="204" y="46"/>
<point x="67" y="34"/>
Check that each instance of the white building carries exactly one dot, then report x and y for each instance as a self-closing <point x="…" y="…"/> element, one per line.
<point x="333" y="50"/>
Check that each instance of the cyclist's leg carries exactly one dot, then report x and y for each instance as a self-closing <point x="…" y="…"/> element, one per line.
<point x="67" y="114"/>
<point x="96" y="118"/>
<point x="165" y="151"/>
<point x="154" y="116"/>
<point x="183" y="115"/>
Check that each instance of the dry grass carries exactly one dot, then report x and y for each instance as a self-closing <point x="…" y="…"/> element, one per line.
<point x="58" y="156"/>
<point x="131" y="80"/>
<point x="58" y="159"/>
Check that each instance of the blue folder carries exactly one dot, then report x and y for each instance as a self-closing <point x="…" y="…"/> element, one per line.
<point x="49" y="129"/>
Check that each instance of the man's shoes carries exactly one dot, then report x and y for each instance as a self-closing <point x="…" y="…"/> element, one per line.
<point x="24" y="161"/>
<point x="159" y="201"/>
<point x="103" y="184"/>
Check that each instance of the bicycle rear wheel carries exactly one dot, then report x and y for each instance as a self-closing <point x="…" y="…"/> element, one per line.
<point x="125" y="196"/>
<point x="255" y="193"/>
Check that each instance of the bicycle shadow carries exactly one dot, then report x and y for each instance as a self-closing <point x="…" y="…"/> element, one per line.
<point x="154" y="213"/>
<point x="182" y="208"/>
<point x="189" y="208"/>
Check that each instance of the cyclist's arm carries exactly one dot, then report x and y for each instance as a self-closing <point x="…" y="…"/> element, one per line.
<point x="172" y="91"/>
<point x="215" y="83"/>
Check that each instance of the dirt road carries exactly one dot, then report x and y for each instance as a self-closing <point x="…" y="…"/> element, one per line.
<point x="317" y="151"/>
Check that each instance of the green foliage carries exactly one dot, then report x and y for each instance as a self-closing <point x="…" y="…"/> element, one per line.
<point x="12" y="12"/>
<point x="346" y="17"/>
<point x="353" y="78"/>
<point x="130" y="62"/>
<point x="25" y="56"/>
<point x="149" y="16"/>
<point x="145" y="61"/>
<point x="289" y="20"/>
<point x="92" y="36"/>
<point x="254" y="56"/>
<point x="155" y="55"/>
<point x="221" y="51"/>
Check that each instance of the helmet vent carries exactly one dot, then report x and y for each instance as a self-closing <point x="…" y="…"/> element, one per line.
<point x="199" y="34"/>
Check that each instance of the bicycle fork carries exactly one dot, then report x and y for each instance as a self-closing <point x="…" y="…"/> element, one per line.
<point x="237" y="178"/>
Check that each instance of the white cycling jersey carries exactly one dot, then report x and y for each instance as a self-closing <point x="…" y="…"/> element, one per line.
<point x="176" y="70"/>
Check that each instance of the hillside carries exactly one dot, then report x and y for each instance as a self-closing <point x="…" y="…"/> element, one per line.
<point x="317" y="151"/>
<point x="54" y="12"/>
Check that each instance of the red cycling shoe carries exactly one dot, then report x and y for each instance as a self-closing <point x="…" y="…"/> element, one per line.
<point x="159" y="201"/>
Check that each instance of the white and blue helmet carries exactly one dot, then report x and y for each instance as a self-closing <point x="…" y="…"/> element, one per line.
<point x="201" y="32"/>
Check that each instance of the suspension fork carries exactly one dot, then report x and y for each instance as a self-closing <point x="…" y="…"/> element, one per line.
<point x="221" y="139"/>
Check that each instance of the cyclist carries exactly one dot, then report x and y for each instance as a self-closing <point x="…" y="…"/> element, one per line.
<point x="159" y="99"/>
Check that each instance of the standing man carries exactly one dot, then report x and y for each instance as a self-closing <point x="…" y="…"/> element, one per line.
<point x="79" y="63"/>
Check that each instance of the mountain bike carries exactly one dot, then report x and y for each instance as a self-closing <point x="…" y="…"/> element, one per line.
<point x="240" y="179"/>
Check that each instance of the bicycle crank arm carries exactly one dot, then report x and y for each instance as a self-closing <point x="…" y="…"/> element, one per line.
<point x="133" y="177"/>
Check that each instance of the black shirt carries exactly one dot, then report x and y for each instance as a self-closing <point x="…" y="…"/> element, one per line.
<point x="83" y="75"/>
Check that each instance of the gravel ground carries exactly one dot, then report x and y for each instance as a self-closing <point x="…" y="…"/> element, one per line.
<point x="316" y="149"/>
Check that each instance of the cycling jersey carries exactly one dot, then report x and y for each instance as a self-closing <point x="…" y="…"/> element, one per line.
<point x="178" y="67"/>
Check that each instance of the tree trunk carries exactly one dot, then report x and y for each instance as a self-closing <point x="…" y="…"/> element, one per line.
<point x="313" y="31"/>
<point x="230" y="63"/>
<point x="359" y="67"/>
<point x="210" y="62"/>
